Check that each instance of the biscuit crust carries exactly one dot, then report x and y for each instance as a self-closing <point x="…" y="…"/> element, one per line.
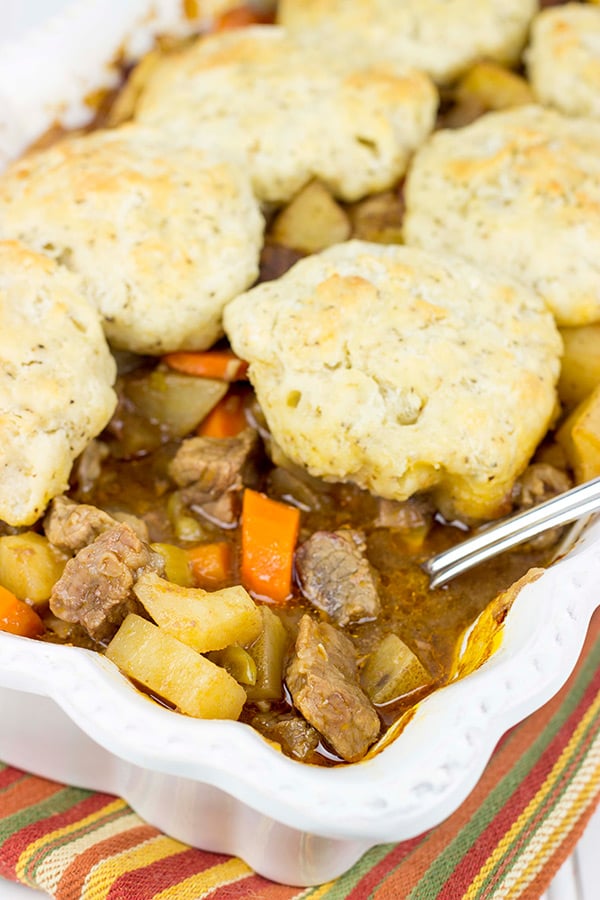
<point x="162" y="235"/>
<point x="563" y="59"/>
<point x="401" y="371"/>
<point x="441" y="37"/>
<point x="55" y="380"/>
<point x="517" y="191"/>
<point x="289" y="114"/>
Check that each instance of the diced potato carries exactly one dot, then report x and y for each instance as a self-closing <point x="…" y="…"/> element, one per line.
<point x="392" y="670"/>
<point x="378" y="218"/>
<point x="175" y="401"/>
<point x="580" y="370"/>
<point x="30" y="566"/>
<point x="177" y="564"/>
<point x="268" y="652"/>
<point x="237" y="662"/>
<point x="311" y="221"/>
<point x="553" y="455"/>
<point x="126" y="101"/>
<point x="175" y="672"/>
<point x="493" y="87"/>
<point x="204" y="621"/>
<point x="579" y="436"/>
<point x="185" y="525"/>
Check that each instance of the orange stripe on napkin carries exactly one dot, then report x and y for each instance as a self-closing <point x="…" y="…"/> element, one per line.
<point x="27" y="792"/>
<point x="74" y="875"/>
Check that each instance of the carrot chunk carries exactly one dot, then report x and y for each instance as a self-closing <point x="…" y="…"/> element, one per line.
<point x="226" y="419"/>
<point x="17" y="617"/>
<point x="211" y="564"/>
<point x="241" y="17"/>
<point x="269" y="535"/>
<point x="223" y="364"/>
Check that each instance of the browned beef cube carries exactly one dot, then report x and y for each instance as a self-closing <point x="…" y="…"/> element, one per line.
<point x="95" y="589"/>
<point x="539" y="482"/>
<point x="292" y="732"/>
<point x="413" y="514"/>
<point x="71" y="526"/>
<point x="275" y="260"/>
<point x="335" y="575"/>
<point x="205" y="468"/>
<point x="323" y="680"/>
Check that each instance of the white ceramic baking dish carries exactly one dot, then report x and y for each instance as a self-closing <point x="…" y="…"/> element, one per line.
<point x="70" y="715"/>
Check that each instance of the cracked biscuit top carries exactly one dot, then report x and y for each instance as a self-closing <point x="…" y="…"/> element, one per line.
<point x="517" y="191"/>
<point x="289" y="113"/>
<point x="162" y="235"/>
<point x="401" y="371"/>
<point x="55" y="380"/>
<point x="441" y="37"/>
<point x="563" y="59"/>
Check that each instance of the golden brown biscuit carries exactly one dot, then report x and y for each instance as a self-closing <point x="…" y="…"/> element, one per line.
<point x="289" y="114"/>
<point x="441" y="37"/>
<point x="401" y="372"/>
<point x="162" y="235"/>
<point x="563" y="59"/>
<point x="55" y="380"/>
<point x="518" y="191"/>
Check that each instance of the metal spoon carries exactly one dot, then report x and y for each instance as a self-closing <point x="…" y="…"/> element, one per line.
<point x="578" y="502"/>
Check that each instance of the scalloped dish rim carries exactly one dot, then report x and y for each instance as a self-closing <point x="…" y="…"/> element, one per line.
<point x="411" y="785"/>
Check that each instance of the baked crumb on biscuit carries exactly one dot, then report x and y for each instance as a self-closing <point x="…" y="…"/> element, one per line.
<point x="563" y="59"/>
<point x="517" y="191"/>
<point x="401" y="371"/>
<point x="441" y="37"/>
<point x="162" y="235"/>
<point x="55" y="380"/>
<point x="288" y="113"/>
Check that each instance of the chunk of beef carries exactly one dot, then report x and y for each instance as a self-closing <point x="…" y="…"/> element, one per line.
<point x="275" y="260"/>
<point x="208" y="469"/>
<point x="539" y="482"/>
<point x="139" y="525"/>
<point x="292" y="732"/>
<point x="335" y="576"/>
<point x="71" y="526"/>
<point x="88" y="467"/>
<point x="95" y="589"/>
<point x="287" y="486"/>
<point x="323" y="681"/>
<point x="414" y="514"/>
<point x="223" y="511"/>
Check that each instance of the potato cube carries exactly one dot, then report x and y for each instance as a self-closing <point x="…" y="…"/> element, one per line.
<point x="579" y="436"/>
<point x="378" y="218"/>
<point x="493" y="87"/>
<point x="126" y="100"/>
<point x="175" y="672"/>
<point x="237" y="662"/>
<point x="392" y="670"/>
<point x="311" y="221"/>
<point x="177" y="564"/>
<point x="580" y="369"/>
<point x="175" y="401"/>
<point x="202" y="620"/>
<point x="268" y="652"/>
<point x="30" y="566"/>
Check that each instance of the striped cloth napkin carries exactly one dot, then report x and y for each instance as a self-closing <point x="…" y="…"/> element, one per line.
<point x="507" y="840"/>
